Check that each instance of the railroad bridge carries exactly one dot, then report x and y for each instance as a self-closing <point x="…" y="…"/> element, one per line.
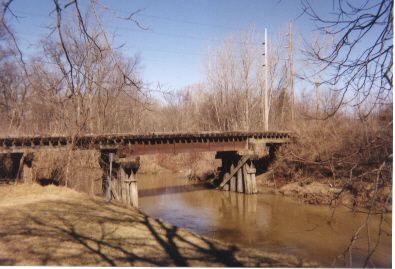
<point x="240" y="153"/>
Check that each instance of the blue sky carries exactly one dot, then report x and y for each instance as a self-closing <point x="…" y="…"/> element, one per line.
<point x="179" y="30"/>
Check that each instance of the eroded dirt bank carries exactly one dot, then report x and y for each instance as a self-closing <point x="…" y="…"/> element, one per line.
<point x="58" y="226"/>
<point x="327" y="192"/>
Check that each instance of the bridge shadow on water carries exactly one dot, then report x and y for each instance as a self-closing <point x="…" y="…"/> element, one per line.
<point x="174" y="189"/>
<point x="93" y="232"/>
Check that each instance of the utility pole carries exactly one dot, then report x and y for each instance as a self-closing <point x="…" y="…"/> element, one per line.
<point x="317" y="98"/>
<point x="291" y="69"/>
<point x="265" y="94"/>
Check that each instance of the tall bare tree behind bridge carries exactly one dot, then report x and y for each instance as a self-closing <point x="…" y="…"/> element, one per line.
<point x="360" y="61"/>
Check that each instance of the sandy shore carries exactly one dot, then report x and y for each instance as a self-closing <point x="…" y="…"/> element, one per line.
<point x="58" y="226"/>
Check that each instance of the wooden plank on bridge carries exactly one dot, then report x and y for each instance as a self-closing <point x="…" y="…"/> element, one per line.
<point x="233" y="184"/>
<point x="108" y="183"/>
<point x="246" y="177"/>
<point x="133" y="191"/>
<point x="253" y="178"/>
<point x="240" y="180"/>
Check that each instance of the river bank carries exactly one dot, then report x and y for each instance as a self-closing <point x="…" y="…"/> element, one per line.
<point x="203" y="167"/>
<point x="59" y="226"/>
<point x="326" y="191"/>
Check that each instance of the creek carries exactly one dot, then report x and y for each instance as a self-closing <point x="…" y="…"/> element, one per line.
<point x="264" y="221"/>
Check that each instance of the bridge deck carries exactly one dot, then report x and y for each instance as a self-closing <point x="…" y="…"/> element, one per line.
<point x="145" y="144"/>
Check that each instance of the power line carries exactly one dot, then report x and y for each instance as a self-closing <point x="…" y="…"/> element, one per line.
<point x="147" y="16"/>
<point x="184" y="53"/>
<point x="115" y="27"/>
<point x="179" y="35"/>
<point x="177" y="20"/>
<point x="145" y="59"/>
<point x="178" y="52"/>
<point x="138" y="49"/>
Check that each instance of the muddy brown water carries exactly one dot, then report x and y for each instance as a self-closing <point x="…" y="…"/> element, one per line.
<point x="265" y="221"/>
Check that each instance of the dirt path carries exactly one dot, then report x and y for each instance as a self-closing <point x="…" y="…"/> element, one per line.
<point x="58" y="226"/>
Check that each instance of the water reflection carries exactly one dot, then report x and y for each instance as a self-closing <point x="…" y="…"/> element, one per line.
<point x="171" y="189"/>
<point x="263" y="221"/>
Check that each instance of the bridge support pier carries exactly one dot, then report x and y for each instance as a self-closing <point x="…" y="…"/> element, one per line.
<point x="119" y="181"/>
<point x="26" y="167"/>
<point x="127" y="187"/>
<point x="237" y="173"/>
<point x="17" y="166"/>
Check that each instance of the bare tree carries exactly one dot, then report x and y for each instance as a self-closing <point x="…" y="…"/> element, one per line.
<point x="357" y="68"/>
<point x="86" y="61"/>
<point x="235" y="80"/>
<point x="11" y="84"/>
<point x="359" y="63"/>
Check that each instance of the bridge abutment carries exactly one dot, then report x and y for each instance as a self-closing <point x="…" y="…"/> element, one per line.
<point x="119" y="180"/>
<point x="237" y="172"/>
<point x="17" y="166"/>
<point x="239" y="168"/>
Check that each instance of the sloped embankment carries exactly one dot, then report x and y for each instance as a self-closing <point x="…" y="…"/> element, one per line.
<point x="58" y="226"/>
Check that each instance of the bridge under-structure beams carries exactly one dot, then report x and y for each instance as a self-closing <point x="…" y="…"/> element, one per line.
<point x="120" y="161"/>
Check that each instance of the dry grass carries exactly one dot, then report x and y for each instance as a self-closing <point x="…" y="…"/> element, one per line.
<point x="79" y="169"/>
<point x="340" y="152"/>
<point x="59" y="226"/>
<point x="336" y="147"/>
